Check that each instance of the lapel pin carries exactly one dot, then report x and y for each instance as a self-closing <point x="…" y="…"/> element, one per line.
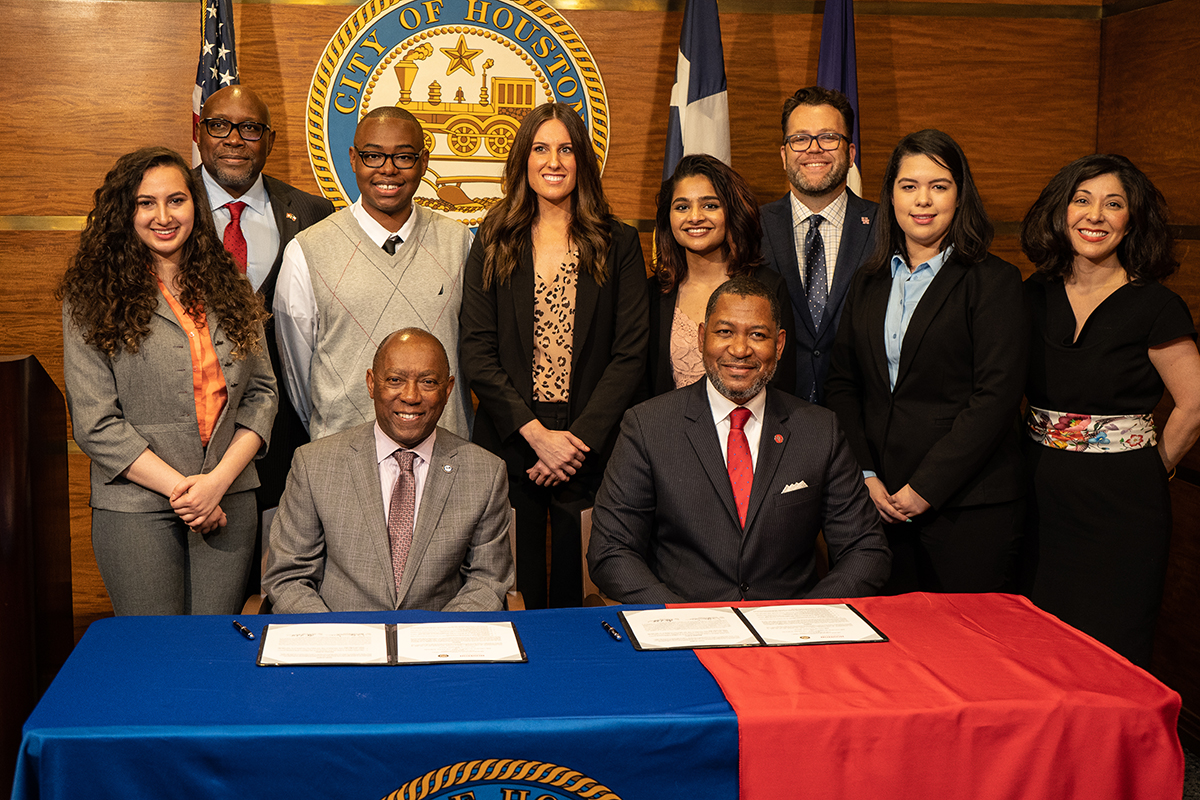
<point x="779" y="438"/>
<point x="292" y="217"/>
<point x="865" y="220"/>
<point x="447" y="468"/>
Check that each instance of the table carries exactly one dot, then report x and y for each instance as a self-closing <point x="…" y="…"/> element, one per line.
<point x="975" y="696"/>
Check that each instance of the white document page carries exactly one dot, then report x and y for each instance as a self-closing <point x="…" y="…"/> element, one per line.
<point x="450" y="642"/>
<point x="810" y="624"/>
<point x="324" y="643"/>
<point x="685" y="628"/>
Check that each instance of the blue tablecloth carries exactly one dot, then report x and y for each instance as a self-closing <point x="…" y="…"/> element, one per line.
<point x="161" y="707"/>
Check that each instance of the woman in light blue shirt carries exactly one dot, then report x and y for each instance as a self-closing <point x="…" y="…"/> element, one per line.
<point x="927" y="376"/>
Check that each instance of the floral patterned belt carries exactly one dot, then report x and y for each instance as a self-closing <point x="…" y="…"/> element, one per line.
<point x="1090" y="433"/>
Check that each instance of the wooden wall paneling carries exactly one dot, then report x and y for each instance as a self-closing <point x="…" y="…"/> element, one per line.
<point x="1177" y="638"/>
<point x="96" y="80"/>
<point x="987" y="83"/>
<point x="1150" y="98"/>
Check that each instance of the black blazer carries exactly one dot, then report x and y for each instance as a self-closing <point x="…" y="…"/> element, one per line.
<point x="950" y="427"/>
<point x="662" y="314"/>
<point x="813" y="346"/>
<point x="665" y="527"/>
<point x="608" y="358"/>
<point x="294" y="211"/>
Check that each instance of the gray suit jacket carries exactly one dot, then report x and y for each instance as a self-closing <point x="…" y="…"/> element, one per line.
<point x="122" y="405"/>
<point x="813" y="345"/>
<point x="665" y="527"/>
<point x="329" y="548"/>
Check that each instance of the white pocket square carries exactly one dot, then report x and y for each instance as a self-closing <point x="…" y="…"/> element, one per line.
<point x="791" y="487"/>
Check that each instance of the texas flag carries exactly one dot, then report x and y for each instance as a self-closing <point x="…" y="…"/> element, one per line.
<point x="699" y="121"/>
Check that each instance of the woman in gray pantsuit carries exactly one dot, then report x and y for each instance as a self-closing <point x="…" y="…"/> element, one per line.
<point x="170" y="391"/>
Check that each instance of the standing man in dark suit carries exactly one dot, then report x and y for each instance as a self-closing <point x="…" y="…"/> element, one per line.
<point x="716" y="491"/>
<point x="820" y="228"/>
<point x="234" y="138"/>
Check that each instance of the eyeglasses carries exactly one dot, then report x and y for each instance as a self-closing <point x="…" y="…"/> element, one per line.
<point x="221" y="128"/>
<point x="375" y="160"/>
<point x="799" y="142"/>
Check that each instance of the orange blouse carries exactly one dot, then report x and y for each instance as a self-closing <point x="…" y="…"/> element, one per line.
<point x="208" y="380"/>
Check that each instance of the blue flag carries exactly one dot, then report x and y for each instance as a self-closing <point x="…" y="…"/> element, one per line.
<point x="218" y="59"/>
<point x="699" y="121"/>
<point x="837" y="69"/>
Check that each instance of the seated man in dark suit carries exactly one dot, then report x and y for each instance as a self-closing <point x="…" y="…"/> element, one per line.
<point x="395" y="513"/>
<point x="677" y="519"/>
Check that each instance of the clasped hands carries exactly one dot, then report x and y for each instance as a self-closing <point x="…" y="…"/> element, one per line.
<point x="195" y="499"/>
<point x="899" y="507"/>
<point x="560" y="453"/>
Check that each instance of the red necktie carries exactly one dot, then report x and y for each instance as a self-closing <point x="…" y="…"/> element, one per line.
<point x="235" y="240"/>
<point x="737" y="457"/>
<point x="401" y="513"/>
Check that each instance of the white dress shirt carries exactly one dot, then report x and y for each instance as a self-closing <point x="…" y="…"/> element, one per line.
<point x="722" y="406"/>
<point x="296" y="314"/>
<point x="258" y="225"/>
<point x="389" y="470"/>
<point x="834" y="216"/>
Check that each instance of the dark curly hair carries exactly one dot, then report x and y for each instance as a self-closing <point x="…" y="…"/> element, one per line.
<point x="743" y="230"/>
<point x="1146" y="252"/>
<point x="970" y="231"/>
<point x="507" y="223"/>
<point x="110" y="284"/>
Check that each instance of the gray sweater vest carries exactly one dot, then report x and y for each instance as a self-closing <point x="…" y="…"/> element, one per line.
<point x="363" y="294"/>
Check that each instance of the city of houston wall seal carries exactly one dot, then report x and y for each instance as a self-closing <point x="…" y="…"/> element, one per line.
<point x="470" y="70"/>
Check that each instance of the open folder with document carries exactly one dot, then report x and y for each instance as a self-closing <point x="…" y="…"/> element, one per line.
<point x="756" y="626"/>
<point x="332" y="643"/>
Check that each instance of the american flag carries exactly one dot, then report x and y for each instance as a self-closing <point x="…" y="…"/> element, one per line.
<point x="218" y="59"/>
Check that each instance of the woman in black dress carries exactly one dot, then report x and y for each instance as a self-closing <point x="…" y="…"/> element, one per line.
<point x="706" y="231"/>
<point x="928" y="368"/>
<point x="1106" y="339"/>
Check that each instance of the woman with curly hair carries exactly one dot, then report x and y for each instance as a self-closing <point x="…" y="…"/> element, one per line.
<point x="707" y="231"/>
<point x="1106" y="339"/>
<point x="553" y="340"/>
<point x="170" y="391"/>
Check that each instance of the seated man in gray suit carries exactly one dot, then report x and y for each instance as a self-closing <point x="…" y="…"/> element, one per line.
<point x="395" y="513"/>
<point x="716" y="491"/>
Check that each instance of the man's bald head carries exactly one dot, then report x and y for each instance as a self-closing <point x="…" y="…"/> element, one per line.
<point x="234" y="161"/>
<point x="410" y="335"/>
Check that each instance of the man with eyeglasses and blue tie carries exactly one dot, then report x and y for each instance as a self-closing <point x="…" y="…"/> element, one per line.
<point x="256" y="216"/>
<point x="818" y="234"/>
<point x="380" y="264"/>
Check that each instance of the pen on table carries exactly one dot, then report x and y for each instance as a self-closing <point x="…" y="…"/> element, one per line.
<point x="242" y="629"/>
<point x="611" y="630"/>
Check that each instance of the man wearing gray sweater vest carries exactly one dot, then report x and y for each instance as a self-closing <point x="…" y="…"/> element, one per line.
<point x="382" y="264"/>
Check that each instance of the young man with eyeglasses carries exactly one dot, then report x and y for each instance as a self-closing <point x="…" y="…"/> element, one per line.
<point x="380" y="264"/>
<point x="234" y="136"/>
<point x="818" y="234"/>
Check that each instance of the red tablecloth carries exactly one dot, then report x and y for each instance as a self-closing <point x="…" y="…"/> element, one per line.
<point x="979" y="697"/>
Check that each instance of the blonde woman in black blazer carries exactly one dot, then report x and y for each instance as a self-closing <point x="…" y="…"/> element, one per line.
<point x="174" y="515"/>
<point x="553" y="212"/>
<point x="928" y="386"/>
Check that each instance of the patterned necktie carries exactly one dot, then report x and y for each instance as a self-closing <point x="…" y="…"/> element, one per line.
<point x="816" y="280"/>
<point x="737" y="457"/>
<point x="235" y="240"/>
<point x="389" y="246"/>
<point x="401" y="513"/>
